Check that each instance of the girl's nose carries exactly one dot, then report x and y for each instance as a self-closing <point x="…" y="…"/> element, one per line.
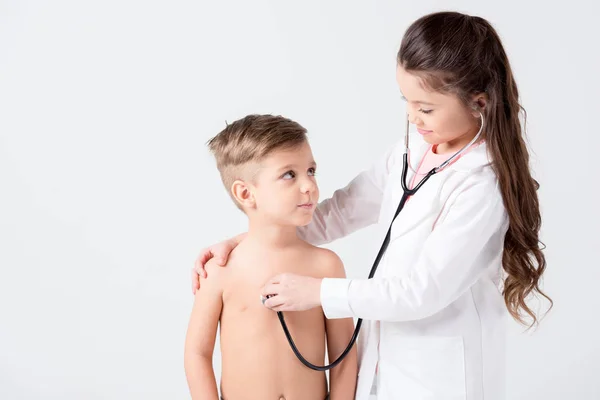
<point x="413" y="119"/>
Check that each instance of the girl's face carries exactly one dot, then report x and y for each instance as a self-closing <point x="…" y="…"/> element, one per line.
<point x="441" y="118"/>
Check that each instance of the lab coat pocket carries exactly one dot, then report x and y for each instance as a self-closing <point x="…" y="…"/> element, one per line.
<point x="423" y="368"/>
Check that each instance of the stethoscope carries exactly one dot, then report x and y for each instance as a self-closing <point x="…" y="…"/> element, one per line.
<point x="406" y="194"/>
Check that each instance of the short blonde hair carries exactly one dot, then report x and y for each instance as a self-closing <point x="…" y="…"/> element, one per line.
<point x="249" y="140"/>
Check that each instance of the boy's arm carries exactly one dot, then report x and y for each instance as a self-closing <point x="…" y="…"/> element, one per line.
<point x="200" y="338"/>
<point x="339" y="332"/>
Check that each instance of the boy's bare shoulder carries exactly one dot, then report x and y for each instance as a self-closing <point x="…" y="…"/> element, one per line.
<point x="215" y="273"/>
<point x="327" y="263"/>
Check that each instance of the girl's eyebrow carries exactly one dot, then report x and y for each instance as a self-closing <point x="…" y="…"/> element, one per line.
<point x="420" y="102"/>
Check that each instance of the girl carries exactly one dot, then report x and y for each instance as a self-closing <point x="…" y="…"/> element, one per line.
<point x="465" y="248"/>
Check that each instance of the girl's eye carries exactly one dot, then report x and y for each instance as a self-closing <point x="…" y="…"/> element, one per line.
<point x="289" y="175"/>
<point x="425" y="111"/>
<point x="312" y="171"/>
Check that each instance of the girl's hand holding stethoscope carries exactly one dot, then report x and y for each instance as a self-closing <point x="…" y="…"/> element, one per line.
<point x="291" y="292"/>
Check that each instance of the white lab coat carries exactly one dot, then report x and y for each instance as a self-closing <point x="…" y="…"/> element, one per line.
<point x="434" y="313"/>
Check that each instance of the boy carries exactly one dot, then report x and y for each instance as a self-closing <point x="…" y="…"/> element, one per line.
<point x="267" y="166"/>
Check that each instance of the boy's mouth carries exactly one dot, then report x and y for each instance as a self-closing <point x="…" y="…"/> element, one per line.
<point x="307" y="206"/>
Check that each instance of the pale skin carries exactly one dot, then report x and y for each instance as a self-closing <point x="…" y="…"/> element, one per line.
<point x="257" y="362"/>
<point x="443" y="120"/>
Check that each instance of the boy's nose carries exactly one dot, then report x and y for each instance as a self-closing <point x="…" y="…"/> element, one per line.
<point x="308" y="186"/>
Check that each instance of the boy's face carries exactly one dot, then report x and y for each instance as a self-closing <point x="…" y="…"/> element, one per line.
<point x="285" y="189"/>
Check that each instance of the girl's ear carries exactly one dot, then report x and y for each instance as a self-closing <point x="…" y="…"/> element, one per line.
<point x="479" y="103"/>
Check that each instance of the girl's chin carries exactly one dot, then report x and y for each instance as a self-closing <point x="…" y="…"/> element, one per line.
<point x="431" y="139"/>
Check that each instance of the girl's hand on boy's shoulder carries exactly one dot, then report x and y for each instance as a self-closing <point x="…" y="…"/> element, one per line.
<point x="219" y="252"/>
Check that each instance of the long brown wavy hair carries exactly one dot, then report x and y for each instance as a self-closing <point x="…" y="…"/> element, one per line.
<point x="463" y="55"/>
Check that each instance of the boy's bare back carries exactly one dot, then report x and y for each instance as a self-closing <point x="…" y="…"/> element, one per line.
<point x="257" y="361"/>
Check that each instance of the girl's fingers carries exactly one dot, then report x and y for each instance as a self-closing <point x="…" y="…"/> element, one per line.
<point x="270" y="289"/>
<point x="273" y="302"/>
<point x="195" y="282"/>
<point x="276" y="279"/>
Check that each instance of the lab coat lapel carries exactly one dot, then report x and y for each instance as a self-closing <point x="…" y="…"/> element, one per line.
<point x="418" y="206"/>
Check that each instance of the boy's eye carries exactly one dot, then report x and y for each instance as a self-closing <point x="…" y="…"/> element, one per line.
<point x="312" y="171"/>
<point x="289" y="175"/>
<point x="425" y="111"/>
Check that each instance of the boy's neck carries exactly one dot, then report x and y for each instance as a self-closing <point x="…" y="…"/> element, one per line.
<point x="272" y="235"/>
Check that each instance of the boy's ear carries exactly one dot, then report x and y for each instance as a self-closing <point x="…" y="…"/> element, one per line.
<point x="242" y="194"/>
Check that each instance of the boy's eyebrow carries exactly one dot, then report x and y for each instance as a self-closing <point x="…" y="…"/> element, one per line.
<point x="291" y="166"/>
<point x="288" y="166"/>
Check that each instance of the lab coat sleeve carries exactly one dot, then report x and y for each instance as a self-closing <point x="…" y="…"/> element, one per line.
<point x="353" y="207"/>
<point x="454" y="256"/>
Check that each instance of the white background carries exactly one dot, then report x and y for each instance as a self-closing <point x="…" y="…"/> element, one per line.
<point x="108" y="192"/>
